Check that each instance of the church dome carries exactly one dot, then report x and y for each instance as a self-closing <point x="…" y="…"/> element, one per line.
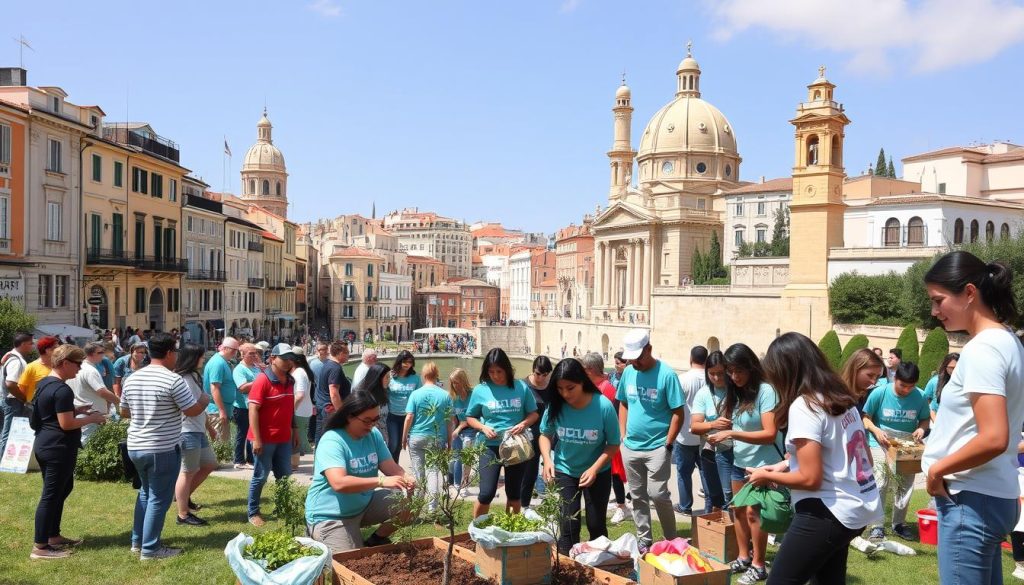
<point x="687" y="124"/>
<point x="263" y="156"/>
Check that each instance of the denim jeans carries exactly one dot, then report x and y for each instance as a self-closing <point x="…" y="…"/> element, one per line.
<point x="972" y="527"/>
<point x="723" y="462"/>
<point x="158" y="470"/>
<point x="11" y="408"/>
<point x="685" y="458"/>
<point x="243" y="448"/>
<point x="395" y="423"/>
<point x="714" y="497"/>
<point x="466" y="437"/>
<point x="276" y="457"/>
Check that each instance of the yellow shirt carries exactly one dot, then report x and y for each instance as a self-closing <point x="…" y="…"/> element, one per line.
<point x="34" y="372"/>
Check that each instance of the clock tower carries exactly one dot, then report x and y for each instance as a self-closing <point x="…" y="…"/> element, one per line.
<point x="816" y="211"/>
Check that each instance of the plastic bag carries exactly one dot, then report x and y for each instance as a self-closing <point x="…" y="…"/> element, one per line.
<point x="690" y="562"/>
<point x="601" y="551"/>
<point x="515" y="449"/>
<point x="494" y="537"/>
<point x="776" y="511"/>
<point x="302" y="571"/>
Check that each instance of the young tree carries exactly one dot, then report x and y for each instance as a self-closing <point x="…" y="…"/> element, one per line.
<point x="13" y="319"/>
<point x="892" y="169"/>
<point x="715" y="267"/>
<point x="780" y="233"/>
<point x="880" y="165"/>
<point x="698" y="267"/>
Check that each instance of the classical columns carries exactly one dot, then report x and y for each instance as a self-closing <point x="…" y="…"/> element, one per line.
<point x="597" y="272"/>
<point x="648" y="272"/>
<point x="631" y="274"/>
<point x="609" y="280"/>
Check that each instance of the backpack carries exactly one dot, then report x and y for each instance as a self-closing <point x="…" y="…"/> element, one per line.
<point x="3" y="373"/>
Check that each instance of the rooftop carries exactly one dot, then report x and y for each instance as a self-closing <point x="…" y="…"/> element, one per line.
<point x="353" y="252"/>
<point x="782" y="184"/>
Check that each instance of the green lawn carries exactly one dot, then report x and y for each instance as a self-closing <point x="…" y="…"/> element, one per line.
<point x="101" y="513"/>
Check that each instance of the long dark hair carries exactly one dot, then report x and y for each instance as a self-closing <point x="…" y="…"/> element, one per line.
<point x="795" y="367"/>
<point x="403" y="356"/>
<point x="541" y="364"/>
<point x="737" y="398"/>
<point x="944" y="376"/>
<point x="994" y="281"/>
<point x="373" y="383"/>
<point x="714" y="359"/>
<point x="572" y="370"/>
<point x="498" y="357"/>
<point x="189" y="357"/>
<point x="354" y="404"/>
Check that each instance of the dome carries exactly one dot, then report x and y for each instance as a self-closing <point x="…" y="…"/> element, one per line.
<point x="687" y="124"/>
<point x="263" y="156"/>
<point x="623" y="91"/>
<point x="688" y="64"/>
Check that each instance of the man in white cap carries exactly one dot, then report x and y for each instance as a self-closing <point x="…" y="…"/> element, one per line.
<point x="369" y="358"/>
<point x="271" y="425"/>
<point x="219" y="383"/>
<point x="651" y="407"/>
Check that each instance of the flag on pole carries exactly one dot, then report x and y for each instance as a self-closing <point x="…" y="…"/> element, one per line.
<point x="227" y="149"/>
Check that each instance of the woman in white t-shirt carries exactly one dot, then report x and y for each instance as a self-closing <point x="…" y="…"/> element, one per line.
<point x="303" y="403"/>
<point x="828" y="469"/>
<point x="970" y="461"/>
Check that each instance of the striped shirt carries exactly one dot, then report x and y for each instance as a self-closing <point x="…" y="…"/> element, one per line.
<point x="155" y="396"/>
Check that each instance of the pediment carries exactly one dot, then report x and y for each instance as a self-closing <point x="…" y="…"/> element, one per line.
<point x="623" y="214"/>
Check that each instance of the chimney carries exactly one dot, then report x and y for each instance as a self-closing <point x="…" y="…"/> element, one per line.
<point x="13" y="77"/>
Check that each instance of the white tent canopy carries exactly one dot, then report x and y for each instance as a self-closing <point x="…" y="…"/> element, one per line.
<point x="64" y="330"/>
<point x="442" y="331"/>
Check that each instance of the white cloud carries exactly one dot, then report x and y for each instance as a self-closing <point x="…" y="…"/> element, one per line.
<point x="930" y="35"/>
<point x="570" y="5"/>
<point x="328" y="8"/>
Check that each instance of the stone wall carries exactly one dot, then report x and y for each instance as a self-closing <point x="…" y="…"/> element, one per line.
<point x="760" y="272"/>
<point x="514" y="340"/>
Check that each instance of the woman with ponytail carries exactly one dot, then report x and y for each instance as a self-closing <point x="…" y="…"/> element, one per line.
<point x="971" y="457"/>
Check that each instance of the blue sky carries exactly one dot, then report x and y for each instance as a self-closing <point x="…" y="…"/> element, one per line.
<point x="501" y="110"/>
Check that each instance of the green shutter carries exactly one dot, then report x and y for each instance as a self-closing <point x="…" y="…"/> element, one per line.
<point x="118" y="235"/>
<point x="118" y="174"/>
<point x="94" y="232"/>
<point x="97" y="167"/>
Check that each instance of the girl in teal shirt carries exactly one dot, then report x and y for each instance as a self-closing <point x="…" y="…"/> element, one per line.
<point x="404" y="380"/>
<point x="581" y="461"/>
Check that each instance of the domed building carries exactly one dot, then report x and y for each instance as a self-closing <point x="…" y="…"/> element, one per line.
<point x="264" y="176"/>
<point x="647" y="236"/>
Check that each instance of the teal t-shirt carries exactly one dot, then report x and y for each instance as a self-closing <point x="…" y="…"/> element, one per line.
<point x="218" y="370"/>
<point x="930" y="388"/>
<point x="650" y="398"/>
<point x="243" y="374"/>
<point x="399" y="391"/>
<point x="892" y="413"/>
<point x="706" y="402"/>
<point x="431" y="410"/>
<point x="582" y="435"/>
<point x="749" y="454"/>
<point x="459" y="407"/>
<point x="501" y="407"/>
<point x="359" y="458"/>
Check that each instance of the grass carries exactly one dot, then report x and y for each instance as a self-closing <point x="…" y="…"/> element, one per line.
<point x="101" y="513"/>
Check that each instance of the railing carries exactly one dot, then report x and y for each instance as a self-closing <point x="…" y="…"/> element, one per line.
<point x="154" y="264"/>
<point x="289" y="283"/>
<point x="255" y="246"/>
<point x="157" y="145"/>
<point x="99" y="256"/>
<point x="274" y="285"/>
<point x="203" y="274"/>
<point x="272" y="311"/>
<point x="255" y="282"/>
<point x="5" y="246"/>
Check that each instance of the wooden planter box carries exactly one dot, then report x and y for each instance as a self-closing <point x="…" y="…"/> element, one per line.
<point x="344" y="576"/>
<point x="908" y="463"/>
<point x="651" y="575"/>
<point x="602" y="576"/>
<point x="515" y="565"/>
<point x="715" y="536"/>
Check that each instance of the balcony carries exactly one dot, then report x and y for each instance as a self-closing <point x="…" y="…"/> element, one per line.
<point x="153" y="144"/>
<point x="255" y="282"/>
<point x="272" y="311"/>
<point x="154" y="264"/>
<point x="211" y="275"/>
<point x="103" y="257"/>
<point x="289" y="283"/>
<point x="274" y="285"/>
<point x="5" y="246"/>
<point x="255" y="246"/>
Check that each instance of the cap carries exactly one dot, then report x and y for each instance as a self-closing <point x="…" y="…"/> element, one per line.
<point x="298" y="350"/>
<point x="283" y="351"/>
<point x="634" y="343"/>
<point x="263" y="345"/>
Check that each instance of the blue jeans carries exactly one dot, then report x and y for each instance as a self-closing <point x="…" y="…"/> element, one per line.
<point x="972" y="527"/>
<point x="276" y="457"/>
<point x="395" y="423"/>
<point x="466" y="434"/>
<point x="685" y="458"/>
<point x="723" y="462"/>
<point x="158" y="470"/>
<point x="714" y="497"/>
<point x="243" y="448"/>
<point x="11" y="407"/>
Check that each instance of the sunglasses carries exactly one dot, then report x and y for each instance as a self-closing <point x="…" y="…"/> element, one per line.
<point x="77" y="363"/>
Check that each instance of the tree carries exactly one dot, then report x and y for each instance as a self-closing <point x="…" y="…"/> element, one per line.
<point x="936" y="346"/>
<point x="857" y="342"/>
<point x="892" y="169"/>
<point x="907" y="343"/>
<point x="832" y="349"/>
<point x="698" y="267"/>
<point x="880" y="165"/>
<point x="715" y="266"/>
<point x="870" y="300"/>
<point x="780" y="233"/>
<point x="13" y="320"/>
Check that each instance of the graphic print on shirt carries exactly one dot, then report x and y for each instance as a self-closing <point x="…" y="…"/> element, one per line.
<point x="503" y="406"/>
<point x="577" y="436"/>
<point x="648" y="395"/>
<point x="859" y="455"/>
<point x="362" y="464"/>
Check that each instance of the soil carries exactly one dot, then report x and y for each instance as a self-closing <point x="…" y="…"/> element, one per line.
<point x="411" y="566"/>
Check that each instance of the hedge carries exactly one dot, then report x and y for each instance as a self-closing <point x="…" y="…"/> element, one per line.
<point x="868" y="300"/>
<point x="99" y="459"/>
<point x="859" y="341"/>
<point x="832" y="349"/>
<point x="907" y="343"/>
<point x="935" y="348"/>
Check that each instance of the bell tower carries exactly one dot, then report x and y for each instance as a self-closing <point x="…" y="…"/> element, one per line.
<point x="620" y="157"/>
<point x="816" y="210"/>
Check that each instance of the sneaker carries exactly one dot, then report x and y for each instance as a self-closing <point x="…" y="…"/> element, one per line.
<point x="136" y="548"/>
<point x="257" y="521"/>
<point x="464" y="493"/>
<point x="376" y="540"/>
<point x="193" y="507"/>
<point x="48" y="553"/>
<point x="644" y="548"/>
<point x="192" y="520"/>
<point x="1018" y="573"/>
<point x="242" y="466"/>
<point x="877" y="534"/>
<point x="619" y="515"/>
<point x="67" y="543"/>
<point x="865" y="546"/>
<point x="753" y="575"/>
<point x="164" y="552"/>
<point x="773" y="540"/>
<point x="903" y="531"/>
<point x="681" y="510"/>
<point x="739" y="566"/>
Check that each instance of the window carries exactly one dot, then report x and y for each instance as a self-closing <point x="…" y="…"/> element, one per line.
<point x="53" y="221"/>
<point x="95" y="231"/>
<point x="761" y="208"/>
<point x="738" y="238"/>
<point x="172" y="188"/>
<point x="97" y="168"/>
<point x="891" y="232"/>
<point x="140" y="180"/>
<point x="702" y="168"/>
<point x="278" y="188"/>
<point x="174" y="300"/>
<point x="348" y="312"/>
<point x="55" y="104"/>
<point x="158" y="185"/>
<point x="974" y="230"/>
<point x="369" y="270"/>
<point x="942" y="188"/>
<point x="118" y="173"/>
<point x="762" y="235"/>
<point x="188" y="224"/>
<point x="958" y="231"/>
<point x="266" y="188"/>
<point x="5" y="144"/>
<point x="1004" y="231"/>
<point x="60" y="293"/>
<point x="739" y="209"/>
<point x="118" y="233"/>
<point x="140" y="300"/>
<point x="701" y="204"/>
<point x="158" y="241"/>
<point x="369" y="291"/>
<point x="53" y="163"/>
<point x="915" y="232"/>
<point x="5" y="215"/>
<point x="45" y="290"/>
<point x="369" y="311"/>
<point x="348" y="269"/>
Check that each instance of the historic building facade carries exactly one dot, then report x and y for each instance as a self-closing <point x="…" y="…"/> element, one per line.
<point x="427" y="233"/>
<point x="264" y="175"/>
<point x="203" y="220"/>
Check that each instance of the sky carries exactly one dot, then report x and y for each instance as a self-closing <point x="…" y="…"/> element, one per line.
<point x="501" y="111"/>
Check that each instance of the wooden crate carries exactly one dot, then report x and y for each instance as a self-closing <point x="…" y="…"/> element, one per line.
<point x="905" y="463"/>
<point x="715" y="536"/>
<point x="515" y="565"/>
<point x="602" y="576"/>
<point x="344" y="576"/>
<point x="651" y="575"/>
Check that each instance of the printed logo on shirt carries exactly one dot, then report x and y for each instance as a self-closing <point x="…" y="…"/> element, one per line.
<point x="510" y="405"/>
<point x="363" y="464"/>
<point x="575" y="435"/>
<point x="642" y="394"/>
<point x="898" y="414"/>
<point x="859" y="455"/>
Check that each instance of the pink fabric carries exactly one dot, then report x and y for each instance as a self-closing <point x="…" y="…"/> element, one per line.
<point x="676" y="545"/>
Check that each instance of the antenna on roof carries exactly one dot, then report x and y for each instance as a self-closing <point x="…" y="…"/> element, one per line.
<point x="22" y="44"/>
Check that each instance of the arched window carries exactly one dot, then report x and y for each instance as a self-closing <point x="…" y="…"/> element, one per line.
<point x="277" y="188"/>
<point x="252" y="186"/>
<point x="1004" y="231"/>
<point x="990" y="231"/>
<point x="837" y="155"/>
<point x="266" y="187"/>
<point x="958" y="231"/>
<point x="817" y="94"/>
<point x="915" y="232"/>
<point x="974" y="230"/>
<point x="891" y="232"/>
<point x="812" y="149"/>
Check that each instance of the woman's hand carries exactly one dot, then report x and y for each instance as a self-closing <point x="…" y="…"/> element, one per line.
<point x="721" y="424"/>
<point x="405" y="442"/>
<point x="518" y="429"/>
<point x="549" y="471"/>
<point x="489" y="432"/>
<point x="918" y="435"/>
<point x="97" y="418"/>
<point x="403" y="482"/>
<point x="719" y="437"/>
<point x="83" y="409"/>
<point x="936" y="485"/>
<point x="588" y="477"/>
<point x="881" y="437"/>
<point x="759" y="476"/>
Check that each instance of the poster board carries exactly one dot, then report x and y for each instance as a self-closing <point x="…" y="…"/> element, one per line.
<point x="18" y="452"/>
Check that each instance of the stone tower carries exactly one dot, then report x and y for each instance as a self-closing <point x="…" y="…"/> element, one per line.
<point x="622" y="154"/>
<point x="816" y="211"/>
<point x="264" y="176"/>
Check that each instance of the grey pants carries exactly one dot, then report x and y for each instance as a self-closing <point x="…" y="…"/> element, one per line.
<point x="417" y="456"/>
<point x="648" y="473"/>
<point x="902" y="486"/>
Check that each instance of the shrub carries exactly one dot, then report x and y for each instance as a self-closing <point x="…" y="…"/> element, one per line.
<point x="936" y="346"/>
<point x="832" y="349"/>
<point x="859" y="341"/>
<point x="100" y="459"/>
<point x="870" y="300"/>
<point x="13" y="319"/>
<point x="907" y="343"/>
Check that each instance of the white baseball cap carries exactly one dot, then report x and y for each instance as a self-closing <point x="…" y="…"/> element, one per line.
<point x="634" y="343"/>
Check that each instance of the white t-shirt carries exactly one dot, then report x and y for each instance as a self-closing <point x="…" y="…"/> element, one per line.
<point x="12" y="370"/>
<point x="85" y="386"/>
<point x="991" y="363"/>
<point x="848" y="486"/>
<point x="197" y="423"/>
<point x="360" y="373"/>
<point x="691" y="382"/>
<point x="302" y="386"/>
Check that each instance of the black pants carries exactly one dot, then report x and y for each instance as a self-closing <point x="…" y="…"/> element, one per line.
<point x="594" y="496"/>
<point x="1017" y="540"/>
<point x="620" y="490"/>
<point x="814" y="549"/>
<point x="58" y="469"/>
<point x="531" y="471"/>
<point x="243" y="448"/>
<point x="490" y="469"/>
<point x="311" y="428"/>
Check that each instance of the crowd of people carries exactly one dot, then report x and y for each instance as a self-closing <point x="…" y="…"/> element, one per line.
<point x="785" y="419"/>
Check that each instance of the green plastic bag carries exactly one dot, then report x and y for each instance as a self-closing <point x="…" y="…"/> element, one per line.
<point x="776" y="510"/>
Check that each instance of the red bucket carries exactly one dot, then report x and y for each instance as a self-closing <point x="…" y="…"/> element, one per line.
<point x="928" y="526"/>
